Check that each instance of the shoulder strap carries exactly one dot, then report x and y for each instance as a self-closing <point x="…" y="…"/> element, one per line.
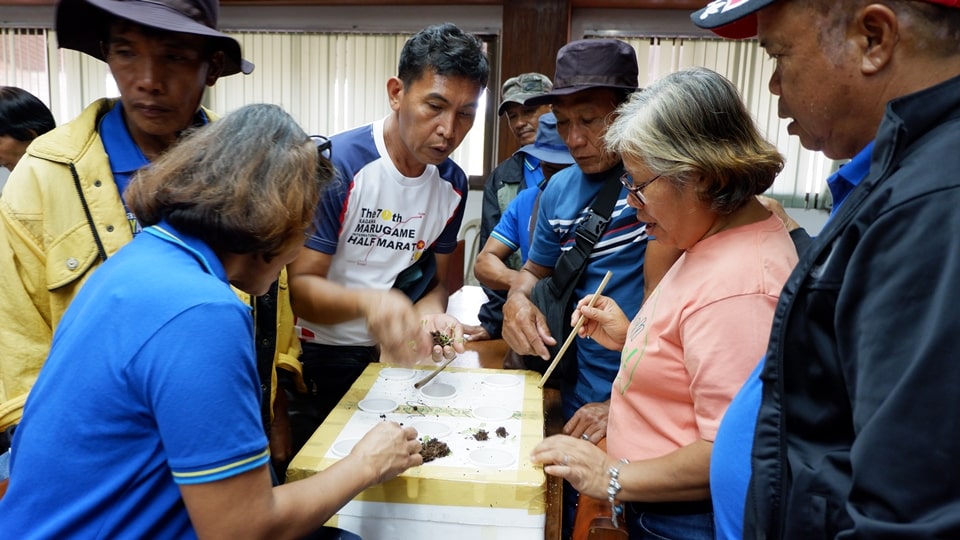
<point x="571" y="262"/>
<point x="533" y="215"/>
<point x="265" y="343"/>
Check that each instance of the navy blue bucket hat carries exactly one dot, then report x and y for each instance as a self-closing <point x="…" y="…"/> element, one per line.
<point x="592" y="63"/>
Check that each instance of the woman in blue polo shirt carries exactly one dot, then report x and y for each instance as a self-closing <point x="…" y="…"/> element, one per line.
<point x="145" y="422"/>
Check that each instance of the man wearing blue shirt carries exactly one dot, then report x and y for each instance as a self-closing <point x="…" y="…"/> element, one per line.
<point x="520" y="171"/>
<point x="592" y="78"/>
<point x="512" y="234"/>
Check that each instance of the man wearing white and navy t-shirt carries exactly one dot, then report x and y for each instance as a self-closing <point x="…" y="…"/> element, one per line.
<point x="369" y="280"/>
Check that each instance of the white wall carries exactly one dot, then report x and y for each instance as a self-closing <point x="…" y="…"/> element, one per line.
<point x="811" y="220"/>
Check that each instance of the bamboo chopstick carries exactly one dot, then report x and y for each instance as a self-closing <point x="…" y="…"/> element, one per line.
<point x="573" y="333"/>
<point x="434" y="373"/>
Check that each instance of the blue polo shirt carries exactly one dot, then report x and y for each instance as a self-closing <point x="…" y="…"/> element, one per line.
<point x="564" y="203"/>
<point x="151" y="383"/>
<point x="730" y="466"/>
<point x="124" y="154"/>
<point x="849" y="176"/>
<point x="532" y="172"/>
<point x="513" y="229"/>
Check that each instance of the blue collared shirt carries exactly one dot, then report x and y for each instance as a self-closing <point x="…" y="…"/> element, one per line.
<point x="849" y="176"/>
<point x="125" y="156"/>
<point x="532" y="172"/>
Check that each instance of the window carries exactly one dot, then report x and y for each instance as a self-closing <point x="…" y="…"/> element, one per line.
<point x="330" y="82"/>
<point x="802" y="182"/>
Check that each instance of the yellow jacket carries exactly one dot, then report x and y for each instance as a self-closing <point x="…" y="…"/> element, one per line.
<point x="60" y="217"/>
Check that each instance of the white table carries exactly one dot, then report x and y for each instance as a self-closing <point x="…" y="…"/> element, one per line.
<point x="484" y="490"/>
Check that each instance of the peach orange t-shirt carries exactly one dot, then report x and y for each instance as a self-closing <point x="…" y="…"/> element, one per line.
<point x="696" y="339"/>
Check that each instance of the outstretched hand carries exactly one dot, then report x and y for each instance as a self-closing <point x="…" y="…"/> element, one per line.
<point x="388" y="449"/>
<point x="395" y="324"/>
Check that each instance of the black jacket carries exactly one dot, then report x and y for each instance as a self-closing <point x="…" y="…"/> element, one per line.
<point x="501" y="187"/>
<point x="859" y="428"/>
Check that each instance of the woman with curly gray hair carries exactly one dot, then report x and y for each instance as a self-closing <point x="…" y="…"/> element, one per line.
<point x="695" y="163"/>
<point x="146" y="412"/>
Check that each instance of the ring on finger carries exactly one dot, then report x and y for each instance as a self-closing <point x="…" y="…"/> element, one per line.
<point x="566" y="459"/>
<point x="585" y="437"/>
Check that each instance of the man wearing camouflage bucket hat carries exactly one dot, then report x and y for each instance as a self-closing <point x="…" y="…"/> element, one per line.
<point x="521" y="118"/>
<point x="62" y="211"/>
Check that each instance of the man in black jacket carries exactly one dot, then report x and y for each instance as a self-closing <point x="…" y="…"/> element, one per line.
<point x="856" y="433"/>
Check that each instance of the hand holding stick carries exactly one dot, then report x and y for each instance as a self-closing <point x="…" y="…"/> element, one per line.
<point x="573" y="333"/>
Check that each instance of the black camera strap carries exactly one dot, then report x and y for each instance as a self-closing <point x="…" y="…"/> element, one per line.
<point x="571" y="263"/>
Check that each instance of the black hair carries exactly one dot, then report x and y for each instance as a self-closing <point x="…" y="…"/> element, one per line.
<point x="448" y="51"/>
<point x="22" y="115"/>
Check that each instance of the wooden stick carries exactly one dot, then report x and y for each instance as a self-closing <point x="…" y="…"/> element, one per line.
<point x="573" y="333"/>
<point x="435" y="372"/>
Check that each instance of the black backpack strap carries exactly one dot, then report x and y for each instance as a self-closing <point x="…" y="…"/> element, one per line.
<point x="571" y="263"/>
<point x="265" y="343"/>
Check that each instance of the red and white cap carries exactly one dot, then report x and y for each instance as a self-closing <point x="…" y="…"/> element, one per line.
<point x="737" y="19"/>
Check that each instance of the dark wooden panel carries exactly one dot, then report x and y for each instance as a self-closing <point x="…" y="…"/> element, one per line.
<point x="533" y="32"/>
<point x="691" y="5"/>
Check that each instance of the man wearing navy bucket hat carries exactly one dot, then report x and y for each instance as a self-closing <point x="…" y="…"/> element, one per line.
<point x="512" y="233"/>
<point x="857" y="394"/>
<point x="62" y="211"/>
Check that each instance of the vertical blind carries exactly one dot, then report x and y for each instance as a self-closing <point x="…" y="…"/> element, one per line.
<point x="329" y="82"/>
<point x="746" y="65"/>
<point x="334" y="81"/>
<point x="63" y="79"/>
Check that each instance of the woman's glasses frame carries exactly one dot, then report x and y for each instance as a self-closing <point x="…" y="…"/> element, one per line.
<point x="637" y="190"/>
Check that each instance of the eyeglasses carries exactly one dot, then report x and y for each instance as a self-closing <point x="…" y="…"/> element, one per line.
<point x="324" y="146"/>
<point x="636" y="190"/>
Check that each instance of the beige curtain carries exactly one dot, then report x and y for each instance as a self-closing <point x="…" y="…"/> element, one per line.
<point x="328" y="82"/>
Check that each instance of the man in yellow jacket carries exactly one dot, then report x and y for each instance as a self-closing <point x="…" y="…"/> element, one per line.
<point x="62" y="211"/>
